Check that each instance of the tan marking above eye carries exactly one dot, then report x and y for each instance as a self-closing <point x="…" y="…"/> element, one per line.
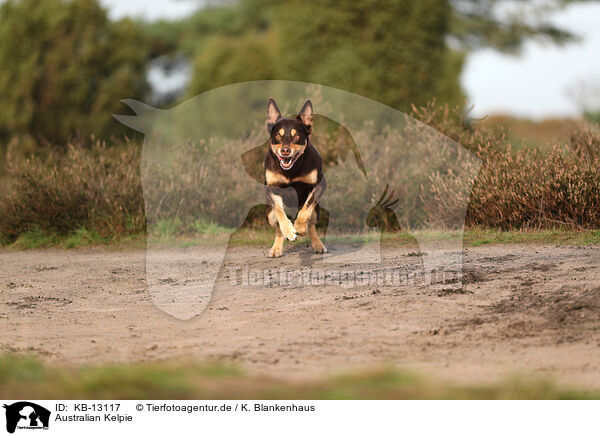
<point x="281" y="132"/>
<point x="293" y="132"/>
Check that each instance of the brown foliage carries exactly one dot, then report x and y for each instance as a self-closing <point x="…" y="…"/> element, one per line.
<point x="526" y="188"/>
<point x="99" y="187"/>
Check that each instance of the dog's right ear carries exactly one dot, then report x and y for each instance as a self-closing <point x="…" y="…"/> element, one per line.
<point x="273" y="114"/>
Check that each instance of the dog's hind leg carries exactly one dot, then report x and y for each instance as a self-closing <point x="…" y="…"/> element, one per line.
<point x="308" y="209"/>
<point x="315" y="242"/>
<point x="277" y="248"/>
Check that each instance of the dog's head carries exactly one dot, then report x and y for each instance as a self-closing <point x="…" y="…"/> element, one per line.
<point x="288" y="136"/>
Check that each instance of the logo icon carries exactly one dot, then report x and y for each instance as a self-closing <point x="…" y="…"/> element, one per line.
<point x="26" y="415"/>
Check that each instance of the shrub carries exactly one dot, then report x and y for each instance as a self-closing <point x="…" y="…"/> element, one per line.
<point x="95" y="193"/>
<point x="528" y="187"/>
<point x="97" y="188"/>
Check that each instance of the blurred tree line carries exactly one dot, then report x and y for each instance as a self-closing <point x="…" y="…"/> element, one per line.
<point x="64" y="68"/>
<point x="65" y="65"/>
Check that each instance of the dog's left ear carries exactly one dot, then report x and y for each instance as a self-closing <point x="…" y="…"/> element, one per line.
<point x="306" y="116"/>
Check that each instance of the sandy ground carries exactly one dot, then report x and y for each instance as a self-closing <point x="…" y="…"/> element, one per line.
<point x="524" y="309"/>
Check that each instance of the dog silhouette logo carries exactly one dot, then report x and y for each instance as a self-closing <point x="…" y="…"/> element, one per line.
<point x="26" y="415"/>
<point x="202" y="171"/>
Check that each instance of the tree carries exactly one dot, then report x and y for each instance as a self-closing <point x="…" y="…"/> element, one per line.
<point x="505" y="25"/>
<point x="396" y="51"/>
<point x="389" y="50"/>
<point x="65" y="67"/>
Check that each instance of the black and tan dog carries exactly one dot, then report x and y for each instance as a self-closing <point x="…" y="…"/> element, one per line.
<point x="293" y="171"/>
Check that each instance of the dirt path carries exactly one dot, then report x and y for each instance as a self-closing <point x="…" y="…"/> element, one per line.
<point x="527" y="309"/>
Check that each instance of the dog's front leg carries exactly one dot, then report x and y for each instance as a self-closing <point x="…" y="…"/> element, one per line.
<point x="275" y="200"/>
<point x="308" y="208"/>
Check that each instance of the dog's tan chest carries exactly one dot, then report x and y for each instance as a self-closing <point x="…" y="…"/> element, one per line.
<point x="310" y="178"/>
<point x="279" y="179"/>
<point x="276" y="179"/>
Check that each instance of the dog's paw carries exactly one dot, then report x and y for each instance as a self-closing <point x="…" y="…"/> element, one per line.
<point x="275" y="252"/>
<point x="300" y="227"/>
<point x="288" y="230"/>
<point x="318" y="247"/>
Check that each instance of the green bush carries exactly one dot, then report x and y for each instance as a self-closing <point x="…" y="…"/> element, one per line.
<point x="393" y="51"/>
<point x="65" y="68"/>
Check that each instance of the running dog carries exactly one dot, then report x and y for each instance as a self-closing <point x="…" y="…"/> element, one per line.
<point x="292" y="162"/>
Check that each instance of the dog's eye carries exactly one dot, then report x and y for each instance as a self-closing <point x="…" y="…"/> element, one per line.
<point x="296" y="137"/>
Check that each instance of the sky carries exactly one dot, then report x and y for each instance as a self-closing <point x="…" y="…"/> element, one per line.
<point x="539" y="83"/>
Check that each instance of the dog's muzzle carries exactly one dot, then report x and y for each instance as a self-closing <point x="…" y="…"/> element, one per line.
<point x="287" y="161"/>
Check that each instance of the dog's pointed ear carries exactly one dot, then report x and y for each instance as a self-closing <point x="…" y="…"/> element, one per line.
<point x="273" y="114"/>
<point x="306" y="116"/>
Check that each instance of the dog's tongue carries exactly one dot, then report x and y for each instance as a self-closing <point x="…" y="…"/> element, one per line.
<point x="286" y="161"/>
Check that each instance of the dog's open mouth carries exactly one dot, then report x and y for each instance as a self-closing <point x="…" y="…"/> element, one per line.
<point x="287" y="162"/>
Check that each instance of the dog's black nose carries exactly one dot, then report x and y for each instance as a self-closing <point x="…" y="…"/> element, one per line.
<point x="285" y="151"/>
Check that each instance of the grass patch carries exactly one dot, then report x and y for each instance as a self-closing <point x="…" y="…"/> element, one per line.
<point x="263" y="237"/>
<point x="26" y="377"/>
<point x="206" y="234"/>
<point x="208" y="228"/>
<point x="478" y="237"/>
<point x="82" y="237"/>
<point x="199" y="232"/>
<point x="35" y="238"/>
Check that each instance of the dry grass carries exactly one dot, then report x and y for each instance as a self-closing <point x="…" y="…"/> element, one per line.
<point x="96" y="188"/>
<point x="95" y="194"/>
<point x="525" y="188"/>
<point x="539" y="134"/>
